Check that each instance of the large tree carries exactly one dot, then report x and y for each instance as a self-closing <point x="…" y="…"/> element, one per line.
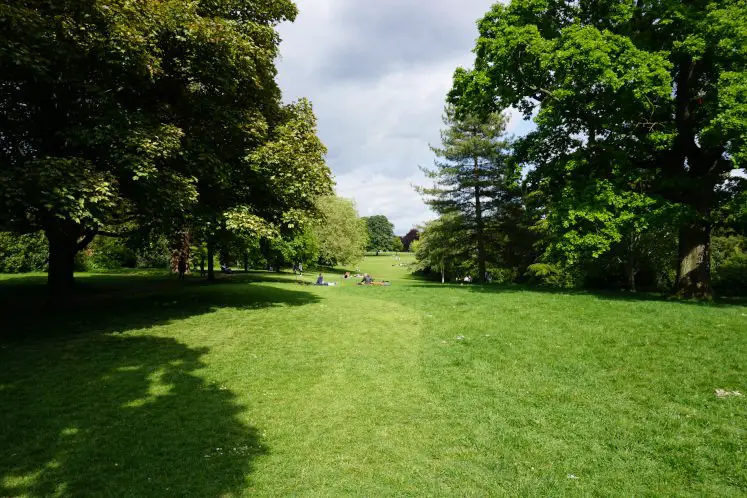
<point x="473" y="177"/>
<point x="116" y="113"/>
<point x="648" y="96"/>
<point x="380" y="233"/>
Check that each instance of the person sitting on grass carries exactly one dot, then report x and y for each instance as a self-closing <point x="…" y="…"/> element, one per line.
<point x="320" y="281"/>
<point x="367" y="279"/>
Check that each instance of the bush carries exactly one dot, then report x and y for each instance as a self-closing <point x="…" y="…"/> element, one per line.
<point x="155" y="254"/>
<point x="502" y="275"/>
<point x="23" y="253"/>
<point x="730" y="278"/>
<point x="552" y="275"/>
<point x="107" y="253"/>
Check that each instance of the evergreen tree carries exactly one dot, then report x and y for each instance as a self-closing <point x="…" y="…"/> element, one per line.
<point x="473" y="176"/>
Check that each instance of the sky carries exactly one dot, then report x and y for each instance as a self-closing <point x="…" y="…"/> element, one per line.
<point x="377" y="73"/>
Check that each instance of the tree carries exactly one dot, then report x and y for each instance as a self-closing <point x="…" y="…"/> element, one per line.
<point x="409" y="238"/>
<point x="275" y="194"/>
<point x="443" y="247"/>
<point x="123" y="113"/>
<point x="474" y="177"/>
<point x="651" y="96"/>
<point x="340" y="233"/>
<point x="397" y="245"/>
<point x="380" y="233"/>
<point x="298" y="247"/>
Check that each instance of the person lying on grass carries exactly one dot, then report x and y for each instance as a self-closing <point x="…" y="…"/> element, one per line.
<point x="368" y="280"/>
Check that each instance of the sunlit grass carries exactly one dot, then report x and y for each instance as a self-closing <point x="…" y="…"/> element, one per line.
<point x="259" y="385"/>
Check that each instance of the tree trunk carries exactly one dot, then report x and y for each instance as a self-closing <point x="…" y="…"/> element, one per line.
<point x="480" y="232"/>
<point x="443" y="274"/>
<point x="210" y="258"/>
<point x="62" y="236"/>
<point x="631" y="268"/>
<point x="694" y="268"/>
<point x="246" y="262"/>
<point x="62" y="250"/>
<point x="631" y="272"/>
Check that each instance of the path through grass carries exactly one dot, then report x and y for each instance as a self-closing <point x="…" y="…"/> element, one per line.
<point x="258" y="385"/>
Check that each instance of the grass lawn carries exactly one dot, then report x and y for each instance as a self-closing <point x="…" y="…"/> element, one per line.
<point x="257" y="385"/>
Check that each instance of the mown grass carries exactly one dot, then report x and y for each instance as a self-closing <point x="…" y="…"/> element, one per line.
<point x="258" y="385"/>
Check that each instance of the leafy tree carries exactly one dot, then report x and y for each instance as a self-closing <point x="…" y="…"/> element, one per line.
<point x="397" y="245"/>
<point x="122" y="112"/>
<point x="473" y="177"/>
<point x="409" y="238"/>
<point x="380" y="233"/>
<point x="340" y="233"/>
<point x="650" y="96"/>
<point x="301" y="246"/>
<point x="443" y="247"/>
<point x="275" y="193"/>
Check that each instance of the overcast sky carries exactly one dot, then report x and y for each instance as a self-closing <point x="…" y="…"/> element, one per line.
<point x="377" y="73"/>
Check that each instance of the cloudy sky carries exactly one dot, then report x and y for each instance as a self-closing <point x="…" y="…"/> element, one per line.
<point x="377" y="73"/>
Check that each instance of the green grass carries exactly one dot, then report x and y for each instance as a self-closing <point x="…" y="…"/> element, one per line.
<point x="257" y="385"/>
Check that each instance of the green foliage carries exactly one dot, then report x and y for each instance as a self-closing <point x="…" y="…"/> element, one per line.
<point x="296" y="247"/>
<point x="397" y="245"/>
<point x="444" y="249"/>
<point x="730" y="278"/>
<point x="341" y="234"/>
<point x="23" y="253"/>
<point x="161" y="115"/>
<point x="730" y="264"/>
<point x="154" y="253"/>
<point x="107" y="253"/>
<point x="380" y="233"/>
<point x="473" y="176"/>
<point x="552" y="275"/>
<point x="647" y="98"/>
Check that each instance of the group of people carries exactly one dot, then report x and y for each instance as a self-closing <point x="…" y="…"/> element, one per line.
<point x="367" y="279"/>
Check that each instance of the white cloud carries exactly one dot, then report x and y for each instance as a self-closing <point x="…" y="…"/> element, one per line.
<point x="377" y="74"/>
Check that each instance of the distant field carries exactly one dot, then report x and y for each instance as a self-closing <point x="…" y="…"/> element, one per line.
<point x="259" y="385"/>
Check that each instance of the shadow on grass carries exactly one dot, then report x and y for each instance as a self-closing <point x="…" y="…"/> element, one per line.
<point x="106" y="303"/>
<point x="118" y="415"/>
<point x="599" y="294"/>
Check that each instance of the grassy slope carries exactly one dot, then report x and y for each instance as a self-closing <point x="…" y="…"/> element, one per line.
<point x="258" y="385"/>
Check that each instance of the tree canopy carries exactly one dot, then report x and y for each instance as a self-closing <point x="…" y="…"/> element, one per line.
<point x="340" y="233"/>
<point x="152" y="115"/>
<point x="473" y="176"/>
<point x="380" y="233"/>
<point x="648" y="99"/>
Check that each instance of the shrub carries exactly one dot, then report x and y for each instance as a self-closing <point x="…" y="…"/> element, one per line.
<point x="730" y="277"/>
<point x="154" y="254"/>
<point x="107" y="253"/>
<point x="23" y="253"/>
<point x="552" y="275"/>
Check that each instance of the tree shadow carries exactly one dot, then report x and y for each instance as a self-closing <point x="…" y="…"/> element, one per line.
<point x="599" y="294"/>
<point x="106" y="303"/>
<point x="118" y="415"/>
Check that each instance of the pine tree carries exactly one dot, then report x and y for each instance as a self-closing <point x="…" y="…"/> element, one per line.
<point x="473" y="176"/>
